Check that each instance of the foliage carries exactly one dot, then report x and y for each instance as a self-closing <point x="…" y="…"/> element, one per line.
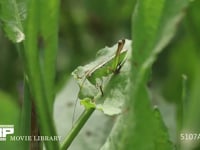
<point x="127" y="80"/>
<point x="94" y="78"/>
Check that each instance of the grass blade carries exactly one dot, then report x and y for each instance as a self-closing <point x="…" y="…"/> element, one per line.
<point x="49" y="35"/>
<point x="35" y="74"/>
<point x="26" y="115"/>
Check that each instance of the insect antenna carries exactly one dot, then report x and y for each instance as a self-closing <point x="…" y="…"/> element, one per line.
<point x="74" y="111"/>
<point x="75" y="105"/>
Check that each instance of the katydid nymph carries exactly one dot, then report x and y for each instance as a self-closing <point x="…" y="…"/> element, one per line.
<point x="90" y="77"/>
<point x="112" y="65"/>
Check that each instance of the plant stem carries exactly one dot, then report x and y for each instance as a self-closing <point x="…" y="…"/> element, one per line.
<point x="26" y="115"/>
<point x="181" y="111"/>
<point x="35" y="145"/>
<point x="184" y="98"/>
<point x="76" y="128"/>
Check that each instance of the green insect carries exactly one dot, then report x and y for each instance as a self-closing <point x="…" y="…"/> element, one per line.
<point x="110" y="66"/>
<point x="106" y="65"/>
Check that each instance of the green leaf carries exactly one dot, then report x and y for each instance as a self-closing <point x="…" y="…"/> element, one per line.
<point x="99" y="83"/>
<point x="25" y="122"/>
<point x="49" y="37"/>
<point x="191" y="103"/>
<point x="116" y="92"/>
<point x="9" y="109"/>
<point x="154" y="24"/>
<point x="9" y="115"/>
<point x="191" y="121"/>
<point x="41" y="68"/>
<point x="161" y="135"/>
<point x="12" y="14"/>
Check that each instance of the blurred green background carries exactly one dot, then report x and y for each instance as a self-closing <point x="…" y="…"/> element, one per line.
<point x="88" y="25"/>
<point x="85" y="27"/>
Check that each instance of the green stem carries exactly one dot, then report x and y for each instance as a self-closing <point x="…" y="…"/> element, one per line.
<point x="26" y="115"/>
<point x="76" y="128"/>
<point x="184" y="97"/>
<point x="182" y="111"/>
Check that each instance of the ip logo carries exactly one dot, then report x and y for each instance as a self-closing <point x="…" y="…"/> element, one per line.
<point x="5" y="130"/>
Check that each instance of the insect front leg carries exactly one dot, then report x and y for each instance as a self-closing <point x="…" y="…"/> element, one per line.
<point x="99" y="86"/>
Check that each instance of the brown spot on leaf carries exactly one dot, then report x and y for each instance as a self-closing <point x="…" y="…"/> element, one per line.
<point x="88" y="133"/>
<point x="69" y="104"/>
